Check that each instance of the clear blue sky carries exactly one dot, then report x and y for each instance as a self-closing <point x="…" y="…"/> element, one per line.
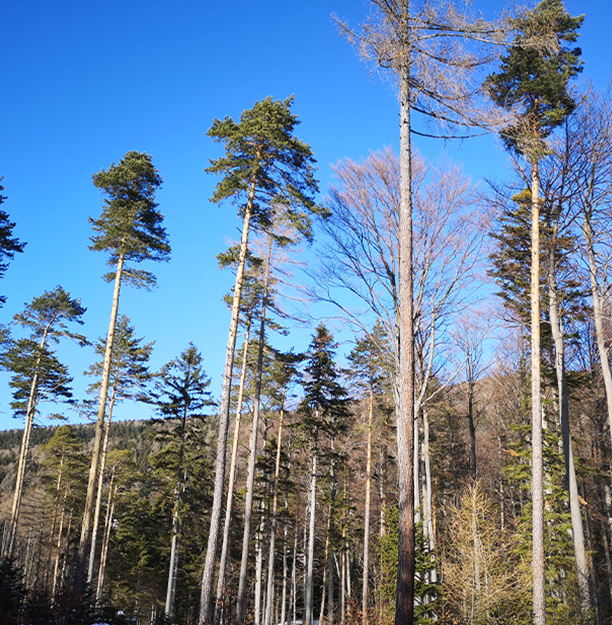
<point x="82" y="83"/>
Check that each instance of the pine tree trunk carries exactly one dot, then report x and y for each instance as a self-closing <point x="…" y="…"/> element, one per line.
<point x="570" y="471"/>
<point x="108" y="525"/>
<point x="96" y="521"/>
<point x="24" y="451"/>
<point x="229" y="503"/>
<point x="326" y="568"/>
<point x="537" y="479"/>
<point x="95" y="456"/>
<point x="258" y="567"/>
<point x="58" y="548"/>
<point x="250" y="485"/>
<point x="215" y="517"/>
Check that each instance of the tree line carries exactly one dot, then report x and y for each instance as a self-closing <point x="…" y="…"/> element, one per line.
<point x="492" y="504"/>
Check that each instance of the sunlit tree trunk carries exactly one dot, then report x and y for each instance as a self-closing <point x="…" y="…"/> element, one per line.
<point x="308" y="581"/>
<point x="215" y="517"/>
<point x="229" y="503"/>
<point x="537" y="462"/>
<point x="366" y="514"/>
<point x="96" y="521"/>
<point x="94" y="470"/>
<point x="250" y="486"/>
<point x="274" y="521"/>
<point x="108" y="525"/>
<point x="570" y="470"/>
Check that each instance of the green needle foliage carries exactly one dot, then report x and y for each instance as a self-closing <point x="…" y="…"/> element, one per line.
<point x="9" y="245"/>
<point x="534" y="76"/>
<point x="130" y="226"/>
<point x="261" y="150"/>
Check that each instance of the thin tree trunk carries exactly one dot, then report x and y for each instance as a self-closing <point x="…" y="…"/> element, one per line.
<point x="232" y="477"/>
<point x="308" y="582"/>
<point x="274" y="515"/>
<point x="95" y="456"/>
<point x="259" y="534"/>
<point x="428" y="519"/>
<point x="250" y="485"/>
<point x="25" y="450"/>
<point x="285" y="574"/>
<point x="326" y="568"/>
<point x="108" y="525"/>
<point x="215" y="517"/>
<point x="570" y="470"/>
<point x="537" y="476"/>
<point x="58" y="548"/>
<point x="598" y="315"/>
<point x="96" y="521"/>
<point x="366" y="515"/>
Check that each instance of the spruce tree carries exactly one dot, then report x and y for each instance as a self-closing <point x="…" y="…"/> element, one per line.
<point x="181" y="394"/>
<point x="323" y="414"/>
<point x="533" y="82"/>
<point x="130" y="230"/>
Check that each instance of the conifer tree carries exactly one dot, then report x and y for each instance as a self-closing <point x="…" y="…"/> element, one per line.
<point x="533" y="82"/>
<point x="264" y="165"/>
<point x="181" y="393"/>
<point x="9" y="245"/>
<point x="37" y="374"/>
<point x="130" y="231"/>
<point x="129" y="374"/>
<point x="323" y="413"/>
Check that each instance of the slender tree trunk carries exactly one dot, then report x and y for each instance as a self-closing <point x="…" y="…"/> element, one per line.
<point x="274" y="516"/>
<point x="95" y="456"/>
<point x="598" y="315"/>
<point x="428" y="520"/>
<point x="215" y="517"/>
<point x="570" y="470"/>
<point x="58" y="548"/>
<point x="232" y="477"/>
<point x="259" y="534"/>
<point x="108" y="525"/>
<point x="326" y="568"/>
<point x="405" y="391"/>
<point x="25" y="450"/>
<point x="96" y="521"/>
<point x="283" y="617"/>
<point x="250" y="486"/>
<point x="537" y="476"/>
<point x="366" y="515"/>
<point x="308" y="582"/>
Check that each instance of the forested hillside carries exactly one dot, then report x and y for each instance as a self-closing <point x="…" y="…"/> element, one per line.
<point x="437" y="450"/>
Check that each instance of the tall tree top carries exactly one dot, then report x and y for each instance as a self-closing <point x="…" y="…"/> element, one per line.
<point x="261" y="150"/>
<point x="130" y="225"/>
<point x="48" y="314"/>
<point x="9" y="245"/>
<point x="534" y="75"/>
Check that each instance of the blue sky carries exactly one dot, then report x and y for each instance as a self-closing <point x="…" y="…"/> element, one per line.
<point x="85" y="82"/>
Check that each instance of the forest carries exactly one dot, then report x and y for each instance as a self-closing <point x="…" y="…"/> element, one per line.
<point x="439" y="452"/>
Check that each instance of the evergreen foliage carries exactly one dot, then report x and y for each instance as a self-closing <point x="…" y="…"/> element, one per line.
<point x="130" y="226"/>
<point x="534" y="75"/>
<point x="9" y="244"/>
